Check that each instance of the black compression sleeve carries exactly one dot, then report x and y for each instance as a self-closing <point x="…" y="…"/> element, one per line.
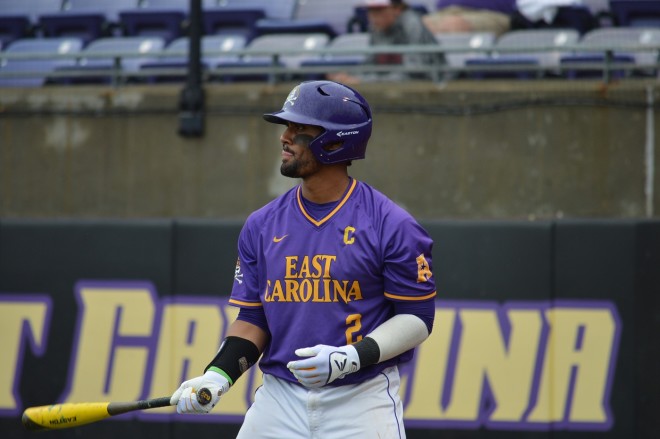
<point x="235" y="356"/>
<point x="368" y="351"/>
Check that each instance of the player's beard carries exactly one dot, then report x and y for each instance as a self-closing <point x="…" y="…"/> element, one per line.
<point x="302" y="164"/>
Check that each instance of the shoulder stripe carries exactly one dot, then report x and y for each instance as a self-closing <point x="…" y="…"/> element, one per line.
<point x="241" y="303"/>
<point x="328" y="216"/>
<point x="410" y="298"/>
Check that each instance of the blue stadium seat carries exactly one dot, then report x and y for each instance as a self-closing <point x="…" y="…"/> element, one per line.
<point x="232" y="21"/>
<point x="215" y="49"/>
<point x="279" y="9"/>
<point x="30" y="8"/>
<point x="307" y="26"/>
<point x="636" y="13"/>
<point x="336" y="13"/>
<point x="347" y="41"/>
<point x="14" y="27"/>
<point x="464" y="45"/>
<point x="259" y="54"/>
<point x="524" y="48"/>
<point x="86" y="26"/>
<point x="167" y="24"/>
<point x="108" y="9"/>
<point x="622" y="41"/>
<point x="35" y="72"/>
<point x="102" y="57"/>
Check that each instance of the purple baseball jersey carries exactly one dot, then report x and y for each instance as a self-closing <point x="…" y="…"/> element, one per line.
<point x="331" y="280"/>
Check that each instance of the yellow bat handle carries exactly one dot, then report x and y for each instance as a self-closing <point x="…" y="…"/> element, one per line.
<point x="69" y="415"/>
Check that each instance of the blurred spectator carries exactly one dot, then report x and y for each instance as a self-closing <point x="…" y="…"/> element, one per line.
<point x="393" y="22"/>
<point x="553" y="14"/>
<point x="471" y="16"/>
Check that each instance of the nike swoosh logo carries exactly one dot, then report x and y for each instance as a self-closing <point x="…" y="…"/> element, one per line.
<point x="276" y="239"/>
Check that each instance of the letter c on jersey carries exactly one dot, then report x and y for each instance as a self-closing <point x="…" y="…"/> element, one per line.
<point x="348" y="235"/>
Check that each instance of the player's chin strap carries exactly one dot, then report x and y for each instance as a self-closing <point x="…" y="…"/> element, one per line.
<point x="235" y="356"/>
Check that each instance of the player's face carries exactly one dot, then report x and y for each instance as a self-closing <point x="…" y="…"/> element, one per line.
<point x="298" y="161"/>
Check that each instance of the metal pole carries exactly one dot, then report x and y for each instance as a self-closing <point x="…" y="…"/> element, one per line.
<point x="192" y="99"/>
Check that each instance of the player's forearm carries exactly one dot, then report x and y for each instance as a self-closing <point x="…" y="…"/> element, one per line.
<point x="239" y="351"/>
<point x="248" y="331"/>
<point x="393" y="337"/>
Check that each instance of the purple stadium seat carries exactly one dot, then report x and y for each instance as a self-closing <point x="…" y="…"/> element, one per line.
<point x="124" y="53"/>
<point x="308" y="26"/>
<point x="109" y="9"/>
<point x="337" y="13"/>
<point x="34" y="72"/>
<point x="620" y="41"/>
<point x="215" y="49"/>
<point x="13" y="27"/>
<point x="278" y="9"/>
<point x="230" y="21"/>
<point x="86" y="26"/>
<point x="165" y="24"/>
<point x="522" y="48"/>
<point x="31" y="8"/>
<point x="636" y="13"/>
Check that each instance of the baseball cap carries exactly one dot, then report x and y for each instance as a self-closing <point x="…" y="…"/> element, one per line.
<point x="382" y="3"/>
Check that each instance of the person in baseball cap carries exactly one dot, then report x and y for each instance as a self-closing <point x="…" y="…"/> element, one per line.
<point x="394" y="22"/>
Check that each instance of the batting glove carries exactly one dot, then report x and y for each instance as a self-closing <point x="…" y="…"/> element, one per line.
<point x="185" y="397"/>
<point x="326" y="364"/>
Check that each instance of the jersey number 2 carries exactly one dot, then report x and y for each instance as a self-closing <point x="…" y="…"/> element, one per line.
<point x="354" y="323"/>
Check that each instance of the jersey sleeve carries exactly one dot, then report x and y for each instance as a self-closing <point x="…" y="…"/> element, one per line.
<point x="408" y="261"/>
<point x="245" y="290"/>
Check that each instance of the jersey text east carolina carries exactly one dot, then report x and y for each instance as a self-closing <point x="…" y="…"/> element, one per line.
<point x="331" y="280"/>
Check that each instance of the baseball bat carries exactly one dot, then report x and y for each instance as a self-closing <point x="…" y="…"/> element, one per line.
<point x="69" y="415"/>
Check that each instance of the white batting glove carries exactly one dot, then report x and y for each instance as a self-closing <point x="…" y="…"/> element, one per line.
<point x="185" y="396"/>
<point x="326" y="364"/>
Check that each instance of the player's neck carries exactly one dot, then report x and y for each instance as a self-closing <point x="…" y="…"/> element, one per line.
<point x="325" y="187"/>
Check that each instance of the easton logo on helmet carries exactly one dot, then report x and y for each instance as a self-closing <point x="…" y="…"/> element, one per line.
<point x="346" y="133"/>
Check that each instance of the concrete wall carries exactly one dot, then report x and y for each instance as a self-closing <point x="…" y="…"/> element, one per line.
<point x="477" y="149"/>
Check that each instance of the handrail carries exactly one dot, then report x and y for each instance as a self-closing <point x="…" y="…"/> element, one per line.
<point x="275" y="69"/>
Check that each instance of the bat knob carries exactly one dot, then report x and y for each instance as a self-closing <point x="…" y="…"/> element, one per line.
<point x="204" y="396"/>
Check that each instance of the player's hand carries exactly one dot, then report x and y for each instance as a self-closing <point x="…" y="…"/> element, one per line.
<point x="185" y="396"/>
<point x="324" y="365"/>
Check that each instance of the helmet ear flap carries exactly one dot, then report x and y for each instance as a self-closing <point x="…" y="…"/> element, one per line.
<point x="341" y="111"/>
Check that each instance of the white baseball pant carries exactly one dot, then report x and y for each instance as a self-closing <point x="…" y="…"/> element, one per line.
<point x="371" y="409"/>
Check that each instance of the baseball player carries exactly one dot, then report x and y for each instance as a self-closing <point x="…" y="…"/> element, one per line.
<point x="334" y="285"/>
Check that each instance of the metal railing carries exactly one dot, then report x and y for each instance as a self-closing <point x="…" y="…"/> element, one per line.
<point x="277" y="71"/>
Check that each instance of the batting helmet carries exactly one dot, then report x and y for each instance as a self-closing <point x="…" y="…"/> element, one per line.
<point x="343" y="114"/>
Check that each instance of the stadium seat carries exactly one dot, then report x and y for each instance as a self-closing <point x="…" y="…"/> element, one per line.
<point x="35" y="72"/>
<point x="464" y="45"/>
<point x="307" y="26"/>
<point x="14" y="27"/>
<point x="161" y="23"/>
<point x="126" y="54"/>
<point x="264" y="51"/>
<point x="278" y="9"/>
<point x="336" y="13"/>
<point x="636" y="13"/>
<point x="30" y="8"/>
<point x="230" y="21"/>
<point x="347" y="41"/>
<point x="108" y="9"/>
<point x="623" y="42"/>
<point x="86" y="26"/>
<point x="527" y="47"/>
<point x="215" y="49"/>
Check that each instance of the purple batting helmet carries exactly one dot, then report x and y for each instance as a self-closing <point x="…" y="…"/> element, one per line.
<point x="343" y="114"/>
